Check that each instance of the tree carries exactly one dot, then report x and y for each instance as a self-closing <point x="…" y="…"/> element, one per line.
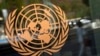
<point x="86" y="2"/>
<point x="73" y="8"/>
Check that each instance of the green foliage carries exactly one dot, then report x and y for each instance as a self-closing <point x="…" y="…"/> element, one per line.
<point x="12" y="4"/>
<point x="34" y="1"/>
<point x="73" y="8"/>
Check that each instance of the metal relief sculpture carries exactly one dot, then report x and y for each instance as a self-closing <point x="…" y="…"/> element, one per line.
<point x="37" y="28"/>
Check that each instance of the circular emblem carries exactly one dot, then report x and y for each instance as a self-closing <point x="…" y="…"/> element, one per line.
<point x="37" y="28"/>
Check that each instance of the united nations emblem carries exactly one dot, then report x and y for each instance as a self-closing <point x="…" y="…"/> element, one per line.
<point x="37" y="28"/>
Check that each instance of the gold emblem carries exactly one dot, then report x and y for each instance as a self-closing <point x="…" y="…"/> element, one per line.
<point x="37" y="28"/>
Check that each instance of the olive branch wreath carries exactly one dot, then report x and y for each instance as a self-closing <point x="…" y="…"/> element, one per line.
<point x="9" y="30"/>
<point x="12" y="39"/>
<point x="64" y="33"/>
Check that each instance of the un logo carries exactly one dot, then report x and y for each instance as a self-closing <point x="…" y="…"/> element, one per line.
<point x="37" y="28"/>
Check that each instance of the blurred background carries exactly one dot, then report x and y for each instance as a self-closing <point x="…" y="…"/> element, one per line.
<point x="85" y="11"/>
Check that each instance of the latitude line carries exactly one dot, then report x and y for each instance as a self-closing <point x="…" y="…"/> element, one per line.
<point x="52" y="36"/>
<point x="54" y="23"/>
<point x="26" y="17"/>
